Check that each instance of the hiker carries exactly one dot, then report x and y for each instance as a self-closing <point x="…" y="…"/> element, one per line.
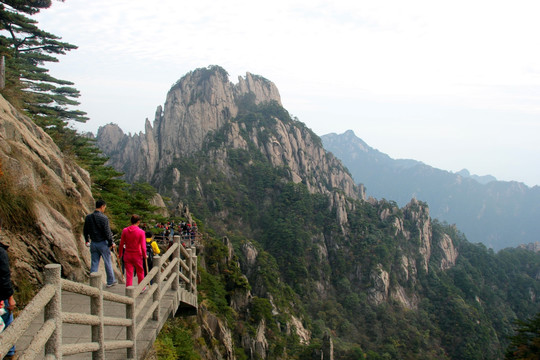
<point x="152" y="249"/>
<point x="6" y="291"/>
<point x="167" y="233"/>
<point x="134" y="252"/>
<point x="184" y="228"/>
<point x="171" y="228"/>
<point x="97" y="229"/>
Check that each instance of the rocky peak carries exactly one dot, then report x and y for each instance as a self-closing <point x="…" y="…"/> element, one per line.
<point x="263" y="89"/>
<point x="419" y="214"/>
<point x="200" y="104"/>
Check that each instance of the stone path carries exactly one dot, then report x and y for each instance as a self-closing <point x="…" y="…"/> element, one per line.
<point x="82" y="333"/>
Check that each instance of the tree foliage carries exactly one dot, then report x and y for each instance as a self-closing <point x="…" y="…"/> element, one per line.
<point x="51" y="103"/>
<point x="525" y="343"/>
<point x="27" y="48"/>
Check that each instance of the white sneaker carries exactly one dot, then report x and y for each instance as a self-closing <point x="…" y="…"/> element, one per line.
<point x="113" y="284"/>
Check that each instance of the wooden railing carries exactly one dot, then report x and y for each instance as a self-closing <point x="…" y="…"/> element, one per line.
<point x="168" y="272"/>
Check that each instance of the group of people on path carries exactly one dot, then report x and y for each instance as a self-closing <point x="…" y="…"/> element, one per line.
<point x="135" y="248"/>
<point x="187" y="230"/>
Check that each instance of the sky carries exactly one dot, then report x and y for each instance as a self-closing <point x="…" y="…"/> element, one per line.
<point x="452" y="84"/>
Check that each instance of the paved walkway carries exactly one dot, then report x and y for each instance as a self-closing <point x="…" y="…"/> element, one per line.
<point x="82" y="333"/>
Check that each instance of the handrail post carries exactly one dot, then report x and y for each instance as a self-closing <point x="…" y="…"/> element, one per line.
<point x="53" y="310"/>
<point x="96" y="308"/>
<point x="156" y="263"/>
<point x="189" y="264"/>
<point x="131" y="331"/>
<point x="194" y="263"/>
<point x="176" y="254"/>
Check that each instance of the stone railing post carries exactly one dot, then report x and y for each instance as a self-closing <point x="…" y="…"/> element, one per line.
<point x="189" y="263"/>
<point x="53" y="310"/>
<point x="96" y="308"/>
<point x="157" y="280"/>
<point x="176" y="255"/>
<point x="131" y="331"/>
<point x="194" y="263"/>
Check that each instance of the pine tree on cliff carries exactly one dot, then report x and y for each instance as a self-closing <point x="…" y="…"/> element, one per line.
<point x="47" y="100"/>
<point x="525" y="344"/>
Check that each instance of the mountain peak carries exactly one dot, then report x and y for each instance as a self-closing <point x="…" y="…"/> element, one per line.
<point x="203" y="101"/>
<point x="485" y="179"/>
<point x="493" y="212"/>
<point x="204" y="107"/>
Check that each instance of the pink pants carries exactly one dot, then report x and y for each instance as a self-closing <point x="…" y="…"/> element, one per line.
<point x="131" y="261"/>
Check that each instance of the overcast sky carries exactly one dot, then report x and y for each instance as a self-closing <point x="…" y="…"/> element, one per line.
<point x="452" y="84"/>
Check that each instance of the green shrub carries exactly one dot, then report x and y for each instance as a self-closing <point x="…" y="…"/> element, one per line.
<point x="261" y="308"/>
<point x="175" y="343"/>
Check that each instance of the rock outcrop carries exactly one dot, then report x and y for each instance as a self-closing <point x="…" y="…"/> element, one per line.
<point x="57" y="193"/>
<point x="201" y="104"/>
<point x="416" y="247"/>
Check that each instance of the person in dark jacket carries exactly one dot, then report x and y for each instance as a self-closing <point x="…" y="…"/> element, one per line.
<point x="97" y="229"/>
<point x="6" y="290"/>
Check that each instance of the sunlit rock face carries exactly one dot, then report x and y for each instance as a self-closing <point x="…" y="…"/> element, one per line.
<point x="202" y="103"/>
<point x="59" y="195"/>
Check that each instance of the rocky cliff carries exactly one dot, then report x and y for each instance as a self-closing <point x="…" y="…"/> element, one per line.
<point x="198" y="104"/>
<point x="51" y="190"/>
<point x="498" y="214"/>
<point x="203" y="103"/>
<point x="416" y="247"/>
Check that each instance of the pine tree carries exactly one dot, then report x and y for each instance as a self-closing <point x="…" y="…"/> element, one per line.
<point x="525" y="344"/>
<point x="51" y="104"/>
<point x="47" y="100"/>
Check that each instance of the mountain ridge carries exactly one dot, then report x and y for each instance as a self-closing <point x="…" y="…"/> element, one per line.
<point x="495" y="213"/>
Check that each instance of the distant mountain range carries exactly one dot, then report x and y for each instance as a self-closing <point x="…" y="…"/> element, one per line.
<point x="498" y="214"/>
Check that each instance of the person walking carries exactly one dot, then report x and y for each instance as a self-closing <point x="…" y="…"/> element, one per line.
<point x="133" y="250"/>
<point x="152" y="249"/>
<point x="6" y="291"/>
<point x="98" y="235"/>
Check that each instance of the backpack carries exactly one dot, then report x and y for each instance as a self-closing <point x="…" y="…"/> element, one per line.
<point x="149" y="253"/>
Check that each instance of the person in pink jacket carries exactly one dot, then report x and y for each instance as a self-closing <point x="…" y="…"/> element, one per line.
<point x="133" y="248"/>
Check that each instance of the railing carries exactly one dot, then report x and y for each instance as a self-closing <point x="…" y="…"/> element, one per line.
<point x="189" y="240"/>
<point x="168" y="271"/>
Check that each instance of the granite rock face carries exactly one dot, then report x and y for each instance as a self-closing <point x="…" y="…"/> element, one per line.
<point x="59" y="196"/>
<point x="198" y="104"/>
<point x="203" y="102"/>
<point x="416" y="247"/>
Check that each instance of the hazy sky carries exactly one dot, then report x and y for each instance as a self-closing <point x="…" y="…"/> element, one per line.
<point x="453" y="84"/>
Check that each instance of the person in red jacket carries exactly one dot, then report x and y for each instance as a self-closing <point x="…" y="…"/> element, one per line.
<point x="133" y="248"/>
